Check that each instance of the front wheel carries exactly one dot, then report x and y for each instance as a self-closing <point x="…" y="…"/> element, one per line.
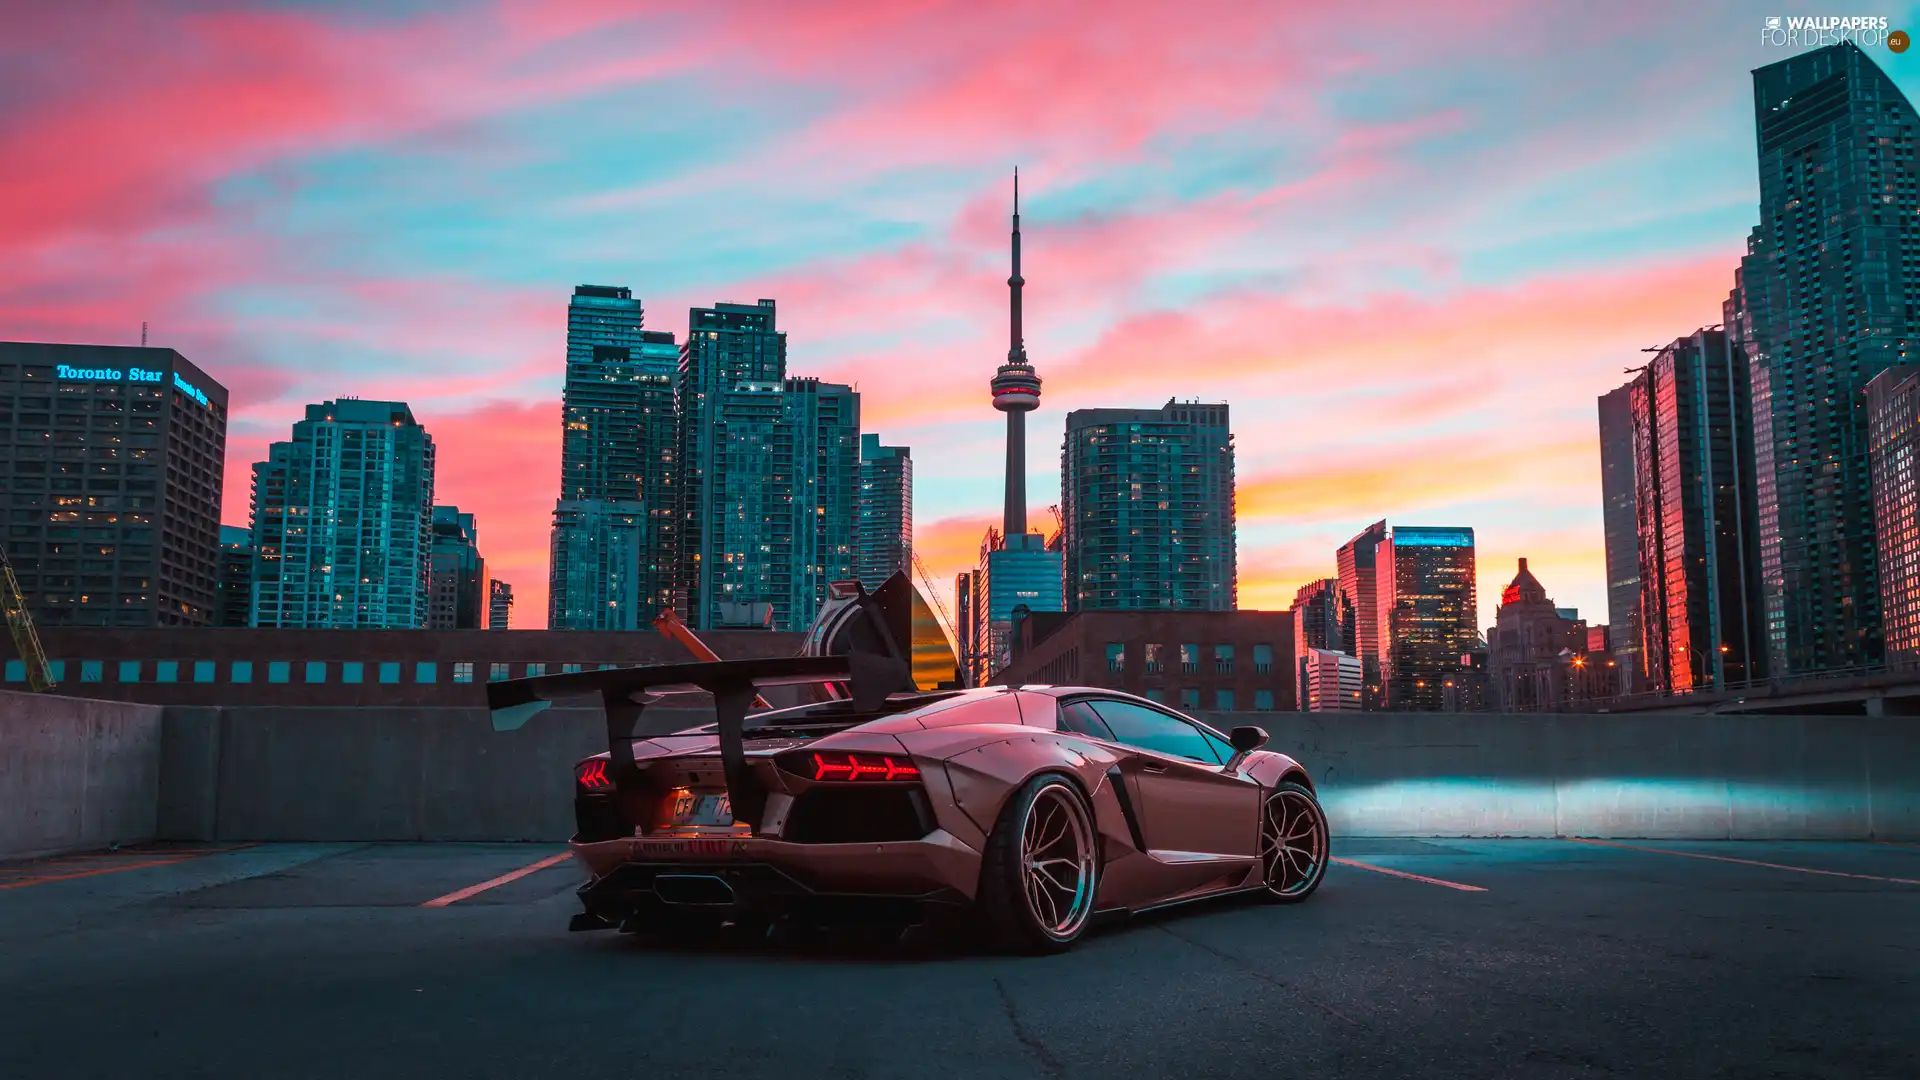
<point x="1040" y="869"/>
<point x="1294" y="843"/>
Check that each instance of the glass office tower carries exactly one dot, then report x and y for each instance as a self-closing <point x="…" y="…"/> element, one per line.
<point x="1700" y="598"/>
<point x="1427" y="613"/>
<point x="1622" y="528"/>
<point x="1830" y="296"/>
<point x="1893" y="428"/>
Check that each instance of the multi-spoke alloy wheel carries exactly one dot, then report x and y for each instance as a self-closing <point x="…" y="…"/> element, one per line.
<point x="1293" y="842"/>
<point x="1041" y="870"/>
<point x="1056" y="858"/>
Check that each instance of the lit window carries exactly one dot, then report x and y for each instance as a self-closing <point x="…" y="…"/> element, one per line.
<point x="463" y="672"/>
<point x="499" y="672"/>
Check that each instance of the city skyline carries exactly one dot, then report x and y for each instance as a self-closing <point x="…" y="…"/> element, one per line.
<point x="1368" y="338"/>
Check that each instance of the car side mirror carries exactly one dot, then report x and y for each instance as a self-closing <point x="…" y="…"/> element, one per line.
<point x="1246" y="740"/>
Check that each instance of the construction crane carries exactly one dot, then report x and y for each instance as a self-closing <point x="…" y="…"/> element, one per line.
<point x="1059" y="528"/>
<point x="670" y="625"/>
<point x="20" y="625"/>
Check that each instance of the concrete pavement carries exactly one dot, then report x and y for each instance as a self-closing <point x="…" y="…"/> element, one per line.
<point x="274" y="960"/>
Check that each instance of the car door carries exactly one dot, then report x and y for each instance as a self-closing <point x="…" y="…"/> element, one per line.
<point x="1189" y="802"/>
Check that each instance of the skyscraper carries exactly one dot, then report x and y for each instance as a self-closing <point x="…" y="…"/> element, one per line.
<point x="1356" y="563"/>
<point x="769" y="488"/>
<point x="1147" y="509"/>
<point x="1893" y="430"/>
<point x="342" y="520"/>
<point x="619" y="449"/>
<point x="456" y="575"/>
<point x="1694" y="496"/>
<point x="1622" y="527"/>
<point x="1830" y="293"/>
<point x="886" y="511"/>
<point x="499" y="605"/>
<point x="1322" y="619"/>
<point x="1427" y="614"/>
<point x="816" y="462"/>
<point x="1016" y="573"/>
<point x="110" y="483"/>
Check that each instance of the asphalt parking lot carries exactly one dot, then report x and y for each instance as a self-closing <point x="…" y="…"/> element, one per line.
<point x="1472" y="958"/>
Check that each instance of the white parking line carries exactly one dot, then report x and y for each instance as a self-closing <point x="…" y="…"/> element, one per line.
<point x="473" y="890"/>
<point x="1745" y="862"/>
<point x="1410" y="877"/>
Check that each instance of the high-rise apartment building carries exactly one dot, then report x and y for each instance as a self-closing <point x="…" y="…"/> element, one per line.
<point x="342" y="520"/>
<point x="110" y="474"/>
<point x="1356" y="563"/>
<point x="619" y="448"/>
<point x="1696" y="504"/>
<point x="886" y="511"/>
<point x="1829" y="297"/>
<point x="597" y="566"/>
<point x="456" y="574"/>
<point x="1621" y="522"/>
<point x="770" y="474"/>
<point x="1323" y="620"/>
<point x="233" y="603"/>
<point x="499" y="605"/>
<point x="1893" y="432"/>
<point x="1146" y="499"/>
<point x="1427" y="614"/>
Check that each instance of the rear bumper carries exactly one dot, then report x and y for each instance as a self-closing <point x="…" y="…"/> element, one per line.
<point x="634" y="878"/>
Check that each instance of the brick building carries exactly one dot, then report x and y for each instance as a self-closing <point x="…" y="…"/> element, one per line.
<point x="1222" y="661"/>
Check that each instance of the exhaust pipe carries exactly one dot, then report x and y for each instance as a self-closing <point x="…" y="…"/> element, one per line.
<point x="693" y="890"/>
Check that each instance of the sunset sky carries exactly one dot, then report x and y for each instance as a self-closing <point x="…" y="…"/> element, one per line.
<point x="1408" y="243"/>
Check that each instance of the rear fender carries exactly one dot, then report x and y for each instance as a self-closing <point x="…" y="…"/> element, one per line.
<point x="984" y="777"/>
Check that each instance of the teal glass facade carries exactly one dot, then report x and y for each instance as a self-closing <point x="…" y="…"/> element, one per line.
<point x="1147" y="511"/>
<point x="342" y="520"/>
<point x="1828" y="297"/>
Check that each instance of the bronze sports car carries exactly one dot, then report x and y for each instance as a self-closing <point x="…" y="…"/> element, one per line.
<point x="1025" y="810"/>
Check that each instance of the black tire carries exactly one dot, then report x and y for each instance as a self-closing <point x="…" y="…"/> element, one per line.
<point x="1302" y="825"/>
<point x="1007" y="914"/>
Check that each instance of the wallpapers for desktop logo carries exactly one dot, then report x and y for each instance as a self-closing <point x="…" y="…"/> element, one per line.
<point x="1866" y="31"/>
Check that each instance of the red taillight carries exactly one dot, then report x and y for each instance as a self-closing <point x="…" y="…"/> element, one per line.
<point x="864" y="767"/>
<point x="593" y="775"/>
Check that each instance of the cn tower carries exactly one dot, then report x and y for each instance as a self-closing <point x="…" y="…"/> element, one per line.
<point x="1016" y="392"/>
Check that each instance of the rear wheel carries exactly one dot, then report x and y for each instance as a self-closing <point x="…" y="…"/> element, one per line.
<point x="1294" y="843"/>
<point x="1041" y="868"/>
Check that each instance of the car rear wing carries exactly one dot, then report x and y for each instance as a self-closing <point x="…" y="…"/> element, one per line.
<point x="625" y="694"/>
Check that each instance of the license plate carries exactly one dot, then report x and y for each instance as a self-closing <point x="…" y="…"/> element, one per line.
<point x="693" y="808"/>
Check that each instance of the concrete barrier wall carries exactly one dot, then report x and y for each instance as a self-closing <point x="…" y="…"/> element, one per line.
<point x="1745" y="777"/>
<point x="346" y="773"/>
<point x="342" y="773"/>
<point x="76" y="774"/>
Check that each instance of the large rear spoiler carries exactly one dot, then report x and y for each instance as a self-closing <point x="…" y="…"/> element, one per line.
<point x="625" y="694"/>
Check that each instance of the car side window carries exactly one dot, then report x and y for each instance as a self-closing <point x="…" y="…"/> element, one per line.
<point x="1079" y="717"/>
<point x="1221" y="748"/>
<point x="1148" y="729"/>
